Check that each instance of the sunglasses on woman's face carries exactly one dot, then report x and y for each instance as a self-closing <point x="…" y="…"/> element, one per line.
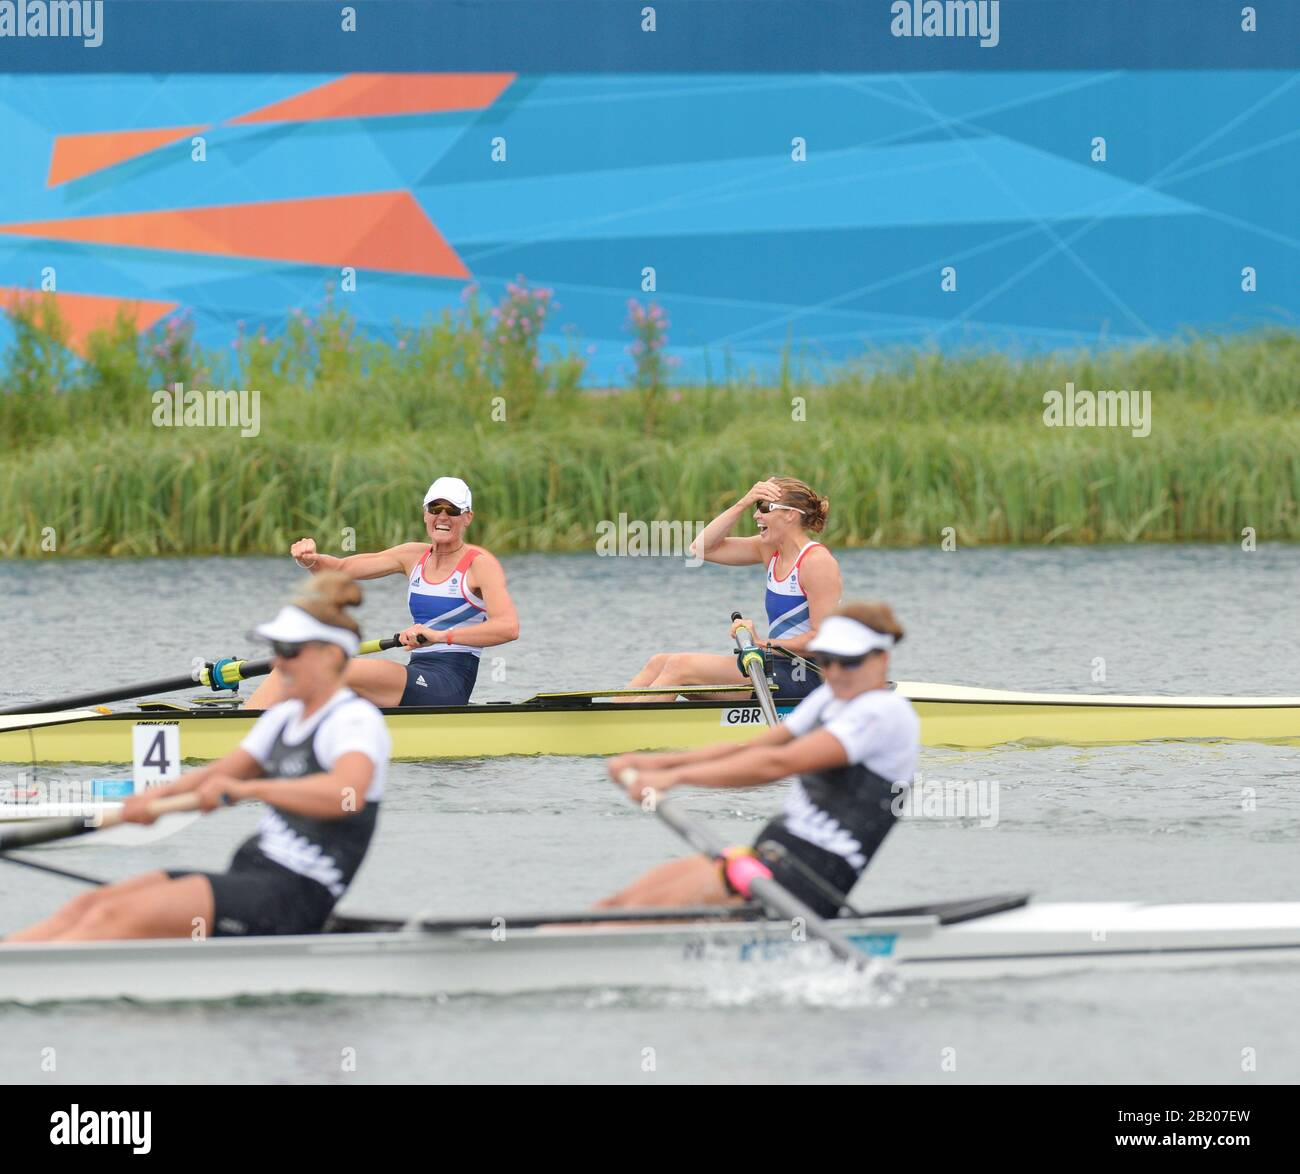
<point x="822" y="661"/>
<point x="766" y="507"/>
<point x="285" y="650"/>
<point x="434" y="508"/>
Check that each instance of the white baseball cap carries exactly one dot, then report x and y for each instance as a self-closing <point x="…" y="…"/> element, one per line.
<point x="295" y="626"/>
<point x="844" y="636"/>
<point x="451" y="489"/>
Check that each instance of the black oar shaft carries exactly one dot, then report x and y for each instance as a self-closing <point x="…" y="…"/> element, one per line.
<point x="232" y="672"/>
<point x="46" y="831"/>
<point x="246" y="669"/>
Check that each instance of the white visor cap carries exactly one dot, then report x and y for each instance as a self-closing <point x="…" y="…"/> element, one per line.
<point x="451" y="489"/>
<point x="842" y="636"/>
<point x="295" y="626"/>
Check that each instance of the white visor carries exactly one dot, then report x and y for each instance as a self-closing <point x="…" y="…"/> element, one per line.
<point x="295" y="626"/>
<point x="451" y="489"/>
<point x="842" y="636"/>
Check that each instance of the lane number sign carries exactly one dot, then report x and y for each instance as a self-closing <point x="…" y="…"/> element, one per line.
<point x="156" y="753"/>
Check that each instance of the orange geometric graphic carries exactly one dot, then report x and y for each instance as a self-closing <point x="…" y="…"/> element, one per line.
<point x="379" y="230"/>
<point x="372" y="95"/>
<point x="78" y="155"/>
<point x="84" y="313"/>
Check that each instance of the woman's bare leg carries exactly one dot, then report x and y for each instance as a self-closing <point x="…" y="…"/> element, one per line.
<point x="693" y="880"/>
<point x="269" y="692"/>
<point x="674" y="669"/>
<point x="173" y="909"/>
<point x="67" y="916"/>
<point x="381" y="682"/>
<point x="653" y="667"/>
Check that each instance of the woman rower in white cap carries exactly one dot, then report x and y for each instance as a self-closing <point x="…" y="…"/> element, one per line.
<point x="318" y="760"/>
<point x="458" y="599"/>
<point x="852" y="742"/>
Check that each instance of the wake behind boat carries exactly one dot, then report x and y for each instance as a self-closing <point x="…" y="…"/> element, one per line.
<point x="590" y="723"/>
<point x="688" y="949"/>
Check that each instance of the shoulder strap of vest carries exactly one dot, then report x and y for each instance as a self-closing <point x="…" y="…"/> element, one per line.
<point x="799" y="560"/>
<point x="800" y="556"/>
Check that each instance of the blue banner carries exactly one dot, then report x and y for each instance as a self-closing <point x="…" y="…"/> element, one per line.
<point x="626" y="36"/>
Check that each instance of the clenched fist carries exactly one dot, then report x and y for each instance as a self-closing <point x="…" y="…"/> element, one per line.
<point x="304" y="553"/>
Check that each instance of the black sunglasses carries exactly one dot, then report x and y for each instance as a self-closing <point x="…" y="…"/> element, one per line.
<point x="452" y="511"/>
<point x="285" y="650"/>
<point x="822" y="660"/>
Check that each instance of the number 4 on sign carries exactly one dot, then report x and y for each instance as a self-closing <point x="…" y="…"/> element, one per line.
<point x="156" y="753"/>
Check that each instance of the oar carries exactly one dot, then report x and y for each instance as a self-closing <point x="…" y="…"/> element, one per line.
<point x="222" y="674"/>
<point x="759" y="883"/>
<point x="124" y="835"/>
<point x="752" y="661"/>
<point x="47" y="831"/>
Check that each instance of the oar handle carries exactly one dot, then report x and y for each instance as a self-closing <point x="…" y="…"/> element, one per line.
<point x="393" y="641"/>
<point x="384" y="645"/>
<point x="168" y="804"/>
<point x="751" y="662"/>
<point x="745" y="642"/>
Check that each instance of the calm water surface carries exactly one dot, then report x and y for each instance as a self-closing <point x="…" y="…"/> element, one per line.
<point x="1149" y="823"/>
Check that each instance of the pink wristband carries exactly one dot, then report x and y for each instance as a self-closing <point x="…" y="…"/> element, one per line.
<point x="741" y="871"/>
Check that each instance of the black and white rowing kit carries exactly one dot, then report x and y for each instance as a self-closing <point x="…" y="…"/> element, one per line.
<point x="288" y="876"/>
<point x="834" y="820"/>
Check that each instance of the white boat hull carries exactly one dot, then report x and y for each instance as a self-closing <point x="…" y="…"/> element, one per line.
<point x="1027" y="942"/>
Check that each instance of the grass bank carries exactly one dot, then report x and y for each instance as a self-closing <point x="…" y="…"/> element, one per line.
<point x="904" y="446"/>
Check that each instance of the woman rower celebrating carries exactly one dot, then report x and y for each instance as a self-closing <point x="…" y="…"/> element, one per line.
<point x="318" y="759"/>
<point x="851" y="741"/>
<point x="458" y="599"/>
<point x="803" y="585"/>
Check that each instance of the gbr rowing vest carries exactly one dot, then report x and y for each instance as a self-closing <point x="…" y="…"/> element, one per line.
<point x="447" y="604"/>
<point x="787" y="605"/>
